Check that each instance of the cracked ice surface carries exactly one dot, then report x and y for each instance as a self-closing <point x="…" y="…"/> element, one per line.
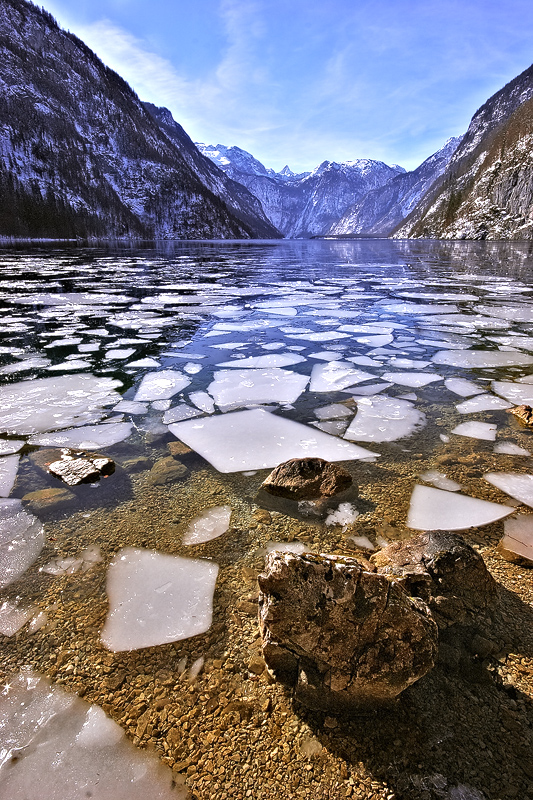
<point x="91" y="437"/>
<point x="161" y="385"/>
<point x="50" y="404"/>
<point x="256" y="439"/>
<point x="235" y="388"/>
<point x="55" y="746"/>
<point x="156" y="598"/>
<point x="384" y="419"/>
<point x="21" y="540"/>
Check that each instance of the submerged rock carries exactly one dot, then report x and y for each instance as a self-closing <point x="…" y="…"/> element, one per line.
<point x="341" y="637"/>
<point x="166" y="470"/>
<point x="307" y="479"/>
<point x="48" y="500"/>
<point x="524" y="413"/>
<point x="442" y="569"/>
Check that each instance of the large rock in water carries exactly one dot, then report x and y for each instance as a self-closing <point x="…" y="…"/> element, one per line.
<point x="442" y="569"/>
<point x="341" y="637"/>
<point x="307" y="479"/>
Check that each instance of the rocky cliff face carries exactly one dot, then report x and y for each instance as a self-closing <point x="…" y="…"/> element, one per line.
<point x="307" y="204"/>
<point x="381" y="210"/>
<point x="486" y="192"/>
<point x="81" y="157"/>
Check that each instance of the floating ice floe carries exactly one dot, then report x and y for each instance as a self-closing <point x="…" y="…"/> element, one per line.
<point x="288" y="547"/>
<point x="319" y="336"/>
<point x="156" y="598"/>
<point x="518" y="536"/>
<point x="256" y="439"/>
<point x="71" y="564"/>
<point x="336" y="427"/>
<point x="515" y="392"/>
<point x="335" y="376"/>
<point x="514" y="484"/>
<point x="344" y="515"/>
<point x="440" y="481"/>
<point x="119" y="354"/>
<point x="12" y="618"/>
<point x="364" y="361"/>
<point x="518" y="313"/>
<point x="161" y="385"/>
<point x="333" y="411"/>
<point x="8" y="472"/>
<point x="27" y="364"/>
<point x="407" y="363"/>
<point x="258" y="362"/>
<point x="210" y="524"/>
<point x="413" y="379"/>
<point x="328" y="355"/>
<point x="510" y="449"/>
<point x="58" y="747"/>
<point x="462" y="387"/>
<point x="482" y="402"/>
<point x="477" y="430"/>
<point x="419" y="308"/>
<point x="90" y="437"/>
<point x="161" y="405"/>
<point x="203" y="401"/>
<point x="180" y="412"/>
<point x="236" y="388"/>
<point x="481" y="359"/>
<point x="49" y="404"/>
<point x="131" y="407"/>
<point x="21" y="540"/>
<point x="69" y="365"/>
<point x="144" y="362"/>
<point x="369" y="390"/>
<point x="435" y="509"/>
<point x="384" y="419"/>
<point x="9" y="446"/>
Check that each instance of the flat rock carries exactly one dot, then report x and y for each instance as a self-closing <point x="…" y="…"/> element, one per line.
<point x="524" y="413"/>
<point x="178" y="448"/>
<point x="307" y="479"/>
<point x="45" y="500"/>
<point x="442" y="569"/>
<point x="340" y="637"/>
<point x="166" y="470"/>
<point x="77" y="466"/>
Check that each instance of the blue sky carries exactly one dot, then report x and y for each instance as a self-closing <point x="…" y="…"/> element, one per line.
<point x="297" y="82"/>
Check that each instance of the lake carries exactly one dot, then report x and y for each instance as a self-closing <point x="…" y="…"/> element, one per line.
<point x="198" y="367"/>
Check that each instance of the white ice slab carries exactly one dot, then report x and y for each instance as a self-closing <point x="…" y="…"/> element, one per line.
<point x="8" y="472"/>
<point x="364" y="361"/>
<point x="288" y="547"/>
<point x="258" y="362"/>
<point x="333" y="411"/>
<point x="210" y="524"/>
<point x="514" y="484"/>
<point x="161" y="385"/>
<point x="517" y="393"/>
<point x="145" y="362"/>
<point x="419" y="308"/>
<point x="435" y="509"/>
<point x="462" y="387"/>
<point x="375" y="341"/>
<point x="27" y="364"/>
<point x="58" y="747"/>
<point x="131" y="407"/>
<point x="384" y="419"/>
<point x="21" y="540"/>
<point x="49" y="404"/>
<point x="9" y="446"/>
<point x="407" y="363"/>
<point x="477" y="430"/>
<point x="482" y="402"/>
<point x="12" y="618"/>
<point x="327" y="355"/>
<point x="518" y="535"/>
<point x="413" y="379"/>
<point x="236" y="388"/>
<point x="119" y="354"/>
<point x="156" y="598"/>
<point x="179" y="413"/>
<point x="336" y="427"/>
<point x="203" y="401"/>
<point x="440" y="481"/>
<point x="481" y="359"/>
<point x="319" y="336"/>
<point x="335" y="376"/>
<point x="369" y="389"/>
<point x="91" y="437"/>
<point x="256" y="439"/>
<point x="510" y="449"/>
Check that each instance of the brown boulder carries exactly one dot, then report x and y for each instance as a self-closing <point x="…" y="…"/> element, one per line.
<point x="307" y="479"/>
<point x="442" y="569"/>
<point x="166" y="470"/>
<point x="341" y="637"/>
<point x="524" y="413"/>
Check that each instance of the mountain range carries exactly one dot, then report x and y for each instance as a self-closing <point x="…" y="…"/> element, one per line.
<point x="81" y="156"/>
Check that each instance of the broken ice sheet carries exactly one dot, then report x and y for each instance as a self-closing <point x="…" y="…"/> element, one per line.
<point x="518" y="536"/>
<point x="273" y="360"/>
<point x="510" y="449"/>
<point x="161" y="385"/>
<point x="9" y="446"/>
<point x="235" y="388"/>
<point x="384" y="419"/>
<point x="412" y="379"/>
<point x="13" y="617"/>
<point x="256" y="439"/>
<point x="482" y="402"/>
<point x="156" y="598"/>
<point x="288" y="547"/>
<point x="58" y="747"/>
<point x="333" y="411"/>
<point x="210" y="524"/>
<point x="21" y="540"/>
<point x="462" y="387"/>
<point x="514" y="392"/>
<point x="477" y="430"/>
<point x="434" y="509"/>
<point x="335" y="376"/>
<point x="8" y="472"/>
<point x="90" y="437"/>
<point x="49" y="404"/>
<point x="203" y="401"/>
<point x="131" y="407"/>
<point x="440" y="480"/>
<point x="481" y="359"/>
<point x="514" y="484"/>
<point x="180" y="412"/>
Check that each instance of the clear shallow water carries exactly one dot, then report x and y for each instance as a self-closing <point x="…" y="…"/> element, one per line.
<point x="372" y="340"/>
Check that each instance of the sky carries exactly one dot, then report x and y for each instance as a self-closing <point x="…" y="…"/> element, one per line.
<point x="299" y="82"/>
